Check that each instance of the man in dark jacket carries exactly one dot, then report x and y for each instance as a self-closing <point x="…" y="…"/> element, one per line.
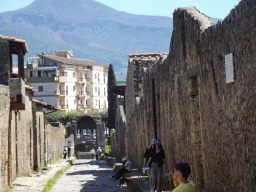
<point x="146" y="158"/>
<point x="157" y="158"/>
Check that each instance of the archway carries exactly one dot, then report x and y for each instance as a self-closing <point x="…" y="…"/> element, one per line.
<point x="86" y="134"/>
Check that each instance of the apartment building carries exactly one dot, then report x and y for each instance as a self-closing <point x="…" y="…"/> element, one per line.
<point x="68" y="83"/>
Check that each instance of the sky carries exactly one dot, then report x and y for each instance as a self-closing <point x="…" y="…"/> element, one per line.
<point x="212" y="8"/>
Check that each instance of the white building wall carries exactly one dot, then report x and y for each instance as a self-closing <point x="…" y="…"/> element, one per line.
<point x="51" y="100"/>
<point x="49" y="88"/>
<point x="70" y="102"/>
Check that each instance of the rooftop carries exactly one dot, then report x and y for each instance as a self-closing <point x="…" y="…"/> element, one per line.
<point x="77" y="62"/>
<point x="18" y="41"/>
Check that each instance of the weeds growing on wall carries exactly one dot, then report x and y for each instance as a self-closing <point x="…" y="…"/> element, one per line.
<point x="107" y="146"/>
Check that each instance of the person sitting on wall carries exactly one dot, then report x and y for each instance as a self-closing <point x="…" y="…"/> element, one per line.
<point x="127" y="167"/>
<point x="179" y="175"/>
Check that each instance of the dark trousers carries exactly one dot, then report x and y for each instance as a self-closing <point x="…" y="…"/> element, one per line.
<point x="69" y="154"/>
<point x="65" y="154"/>
<point x="120" y="173"/>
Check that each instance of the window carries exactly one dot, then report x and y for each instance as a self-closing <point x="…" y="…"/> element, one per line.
<point x="105" y="104"/>
<point x="95" y="89"/>
<point x="40" y="88"/>
<point x="98" y="91"/>
<point x="74" y="102"/>
<point x="31" y="73"/>
<point x="74" y="88"/>
<point x="74" y="74"/>
<point x="60" y="102"/>
<point x="104" y="91"/>
<point x="95" y="76"/>
<point x="99" y="104"/>
<point x="104" y="79"/>
<point x="95" y="102"/>
<point x="39" y="73"/>
<point x="98" y="78"/>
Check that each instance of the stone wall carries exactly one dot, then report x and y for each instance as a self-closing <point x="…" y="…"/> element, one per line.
<point x="5" y="108"/>
<point x="55" y="141"/>
<point x="200" y="118"/>
<point x="119" y="140"/>
<point x="24" y="135"/>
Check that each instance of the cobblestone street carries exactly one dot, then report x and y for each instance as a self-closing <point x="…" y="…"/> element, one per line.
<point x="88" y="176"/>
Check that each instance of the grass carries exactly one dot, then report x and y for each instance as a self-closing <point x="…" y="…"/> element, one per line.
<point x="54" y="180"/>
<point x="134" y="187"/>
<point x="56" y="160"/>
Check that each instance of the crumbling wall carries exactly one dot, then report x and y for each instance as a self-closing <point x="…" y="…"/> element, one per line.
<point x="200" y="118"/>
<point x="118" y="141"/>
<point x="4" y="108"/>
<point x="55" y="138"/>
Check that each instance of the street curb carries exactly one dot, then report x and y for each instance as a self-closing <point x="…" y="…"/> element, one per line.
<point x="32" y="184"/>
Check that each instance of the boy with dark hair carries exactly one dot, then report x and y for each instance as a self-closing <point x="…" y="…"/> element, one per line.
<point x="180" y="175"/>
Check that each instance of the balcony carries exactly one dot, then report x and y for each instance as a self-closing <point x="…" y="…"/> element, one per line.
<point x="82" y="80"/>
<point x="81" y="106"/>
<point x="80" y="94"/>
<point x="61" y="93"/>
<point x="63" y="107"/>
<point x="61" y="79"/>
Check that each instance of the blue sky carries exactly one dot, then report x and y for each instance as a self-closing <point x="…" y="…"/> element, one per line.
<point x="213" y="8"/>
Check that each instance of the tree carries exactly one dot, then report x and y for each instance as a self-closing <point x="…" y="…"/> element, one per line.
<point x="112" y="98"/>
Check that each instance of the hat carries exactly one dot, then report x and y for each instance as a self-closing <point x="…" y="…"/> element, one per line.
<point x="158" y="142"/>
<point x="124" y="159"/>
<point x="153" y="141"/>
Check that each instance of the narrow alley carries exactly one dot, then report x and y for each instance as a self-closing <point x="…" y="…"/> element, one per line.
<point x="87" y="175"/>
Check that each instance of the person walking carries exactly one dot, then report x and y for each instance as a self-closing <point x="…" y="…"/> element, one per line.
<point x="146" y="158"/>
<point x="69" y="149"/>
<point x="179" y="176"/>
<point x="157" y="158"/>
<point x="92" y="152"/>
<point x="99" y="151"/>
<point x="65" y="151"/>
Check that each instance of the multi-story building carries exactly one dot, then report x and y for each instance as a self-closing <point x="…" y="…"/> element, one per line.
<point x="68" y="83"/>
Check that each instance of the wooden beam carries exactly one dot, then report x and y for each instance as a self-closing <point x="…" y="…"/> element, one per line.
<point x="21" y="63"/>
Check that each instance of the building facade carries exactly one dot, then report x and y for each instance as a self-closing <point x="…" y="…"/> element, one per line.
<point x="68" y="83"/>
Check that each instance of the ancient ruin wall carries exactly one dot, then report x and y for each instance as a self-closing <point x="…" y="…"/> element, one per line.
<point x="4" y="108"/>
<point x="200" y="118"/>
<point x="118" y="144"/>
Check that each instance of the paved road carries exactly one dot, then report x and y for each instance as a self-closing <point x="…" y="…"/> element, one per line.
<point x="88" y="176"/>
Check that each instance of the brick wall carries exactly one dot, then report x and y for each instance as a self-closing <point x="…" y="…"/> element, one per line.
<point x="201" y="119"/>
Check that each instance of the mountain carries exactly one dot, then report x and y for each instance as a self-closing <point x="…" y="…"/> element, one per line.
<point x="92" y="30"/>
